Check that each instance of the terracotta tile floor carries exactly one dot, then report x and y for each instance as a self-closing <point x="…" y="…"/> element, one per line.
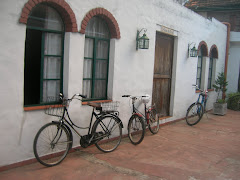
<point x="208" y="150"/>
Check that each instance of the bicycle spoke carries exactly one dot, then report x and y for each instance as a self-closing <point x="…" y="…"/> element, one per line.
<point x="153" y="121"/>
<point x="51" y="141"/>
<point x="136" y="129"/>
<point x="112" y="133"/>
<point x="194" y="114"/>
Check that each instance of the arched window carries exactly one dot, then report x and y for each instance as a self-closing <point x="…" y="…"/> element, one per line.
<point x="199" y="68"/>
<point x="43" y="72"/>
<point x="212" y="66"/>
<point x="201" y="64"/>
<point x="96" y="59"/>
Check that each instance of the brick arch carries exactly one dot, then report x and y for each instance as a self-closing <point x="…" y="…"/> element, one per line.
<point x="204" y="46"/>
<point x="62" y="7"/>
<point x="107" y="16"/>
<point x="213" y="51"/>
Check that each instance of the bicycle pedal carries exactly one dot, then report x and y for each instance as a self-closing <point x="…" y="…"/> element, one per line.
<point x="97" y="134"/>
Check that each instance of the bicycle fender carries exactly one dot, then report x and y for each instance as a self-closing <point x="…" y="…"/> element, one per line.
<point x="68" y="129"/>
<point x="112" y="115"/>
<point x="191" y="105"/>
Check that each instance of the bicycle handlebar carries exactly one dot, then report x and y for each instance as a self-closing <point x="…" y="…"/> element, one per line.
<point x="62" y="96"/>
<point x="133" y="96"/>
<point x="197" y="88"/>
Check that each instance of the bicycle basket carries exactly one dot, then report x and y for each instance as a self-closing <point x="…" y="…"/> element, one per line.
<point x="111" y="106"/>
<point x="55" y="108"/>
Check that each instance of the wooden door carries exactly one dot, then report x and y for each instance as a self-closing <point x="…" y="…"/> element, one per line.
<point x="162" y="73"/>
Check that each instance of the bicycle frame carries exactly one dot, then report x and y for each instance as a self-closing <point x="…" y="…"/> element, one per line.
<point x="145" y="116"/>
<point x="72" y="125"/>
<point x="65" y="119"/>
<point x="203" y="96"/>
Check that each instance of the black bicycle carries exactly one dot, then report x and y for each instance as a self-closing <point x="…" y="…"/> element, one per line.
<point x="54" y="140"/>
<point x="197" y="109"/>
<point x="138" y="121"/>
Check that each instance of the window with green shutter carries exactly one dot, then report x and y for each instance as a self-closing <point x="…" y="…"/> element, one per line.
<point x="43" y="71"/>
<point x="96" y="59"/>
<point x="210" y="73"/>
<point x="199" y="68"/>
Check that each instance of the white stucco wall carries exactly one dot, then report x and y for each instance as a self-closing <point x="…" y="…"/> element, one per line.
<point x="233" y="62"/>
<point x="131" y="73"/>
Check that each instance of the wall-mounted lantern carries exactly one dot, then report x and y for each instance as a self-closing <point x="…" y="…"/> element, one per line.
<point x="142" y="42"/>
<point x="192" y="52"/>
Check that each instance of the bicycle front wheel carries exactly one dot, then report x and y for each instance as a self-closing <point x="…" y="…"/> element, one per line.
<point x="51" y="144"/>
<point x="136" y="129"/>
<point x="107" y="133"/>
<point x="153" y="121"/>
<point x="194" y="114"/>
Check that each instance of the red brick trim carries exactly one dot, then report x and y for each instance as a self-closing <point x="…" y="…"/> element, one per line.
<point x="100" y="101"/>
<point x="210" y="90"/>
<point x="198" y="91"/>
<point x="32" y="108"/>
<point x="203" y="44"/>
<point x="107" y="16"/>
<point x="62" y="7"/>
<point x="29" y="161"/>
<point x="213" y="51"/>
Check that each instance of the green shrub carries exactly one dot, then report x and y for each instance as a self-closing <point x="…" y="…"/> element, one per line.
<point x="234" y="101"/>
<point x="221" y="101"/>
<point x="220" y="86"/>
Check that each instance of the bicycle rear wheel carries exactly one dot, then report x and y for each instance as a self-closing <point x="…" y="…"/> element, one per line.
<point x="51" y="144"/>
<point x="107" y="133"/>
<point x="153" y="121"/>
<point x="194" y="114"/>
<point x="136" y="129"/>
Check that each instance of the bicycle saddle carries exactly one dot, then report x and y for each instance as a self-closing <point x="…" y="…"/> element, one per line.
<point x="95" y="105"/>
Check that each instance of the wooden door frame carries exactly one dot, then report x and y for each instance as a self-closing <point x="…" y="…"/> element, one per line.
<point x="174" y="68"/>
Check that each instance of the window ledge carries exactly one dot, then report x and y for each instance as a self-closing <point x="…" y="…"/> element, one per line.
<point x="198" y="91"/>
<point x="99" y="101"/>
<point x="33" y="108"/>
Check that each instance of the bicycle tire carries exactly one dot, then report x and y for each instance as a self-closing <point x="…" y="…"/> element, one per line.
<point x="136" y="129"/>
<point x="48" y="153"/>
<point x="107" y="133"/>
<point x="153" y="124"/>
<point x="194" y="113"/>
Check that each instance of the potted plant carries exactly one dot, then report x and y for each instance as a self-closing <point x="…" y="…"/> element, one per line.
<point x="220" y="106"/>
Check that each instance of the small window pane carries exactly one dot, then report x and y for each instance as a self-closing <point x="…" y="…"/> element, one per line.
<point x="87" y="88"/>
<point x="101" y="69"/>
<point x="53" y="44"/>
<point x="200" y="52"/>
<point x="51" y="89"/>
<point x="88" y="48"/>
<point x="87" y="69"/>
<point x="43" y="16"/>
<point x="102" y="49"/>
<point x="209" y="83"/>
<point x="52" y="68"/>
<point x="199" y="62"/>
<point x="100" y="89"/>
<point x="97" y="27"/>
<point x="198" y="83"/>
<point x="210" y="63"/>
<point x="199" y="73"/>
